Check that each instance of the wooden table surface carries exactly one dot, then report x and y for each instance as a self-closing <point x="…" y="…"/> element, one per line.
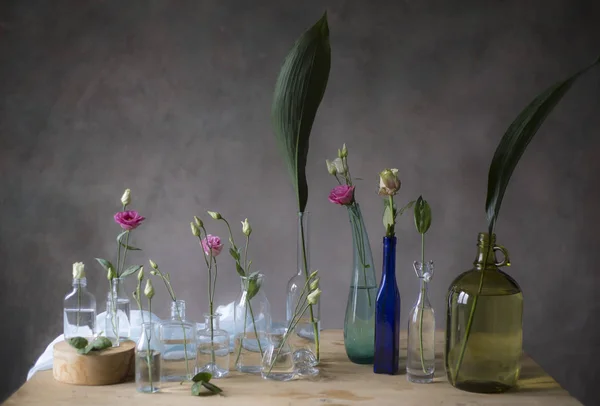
<point x="340" y="383"/>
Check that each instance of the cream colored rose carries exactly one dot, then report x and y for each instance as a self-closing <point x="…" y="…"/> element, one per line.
<point x="78" y="270"/>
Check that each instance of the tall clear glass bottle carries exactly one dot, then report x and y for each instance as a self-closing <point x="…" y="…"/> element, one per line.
<point x="307" y="332"/>
<point x="484" y="325"/>
<point x="252" y="318"/>
<point x="359" y="324"/>
<point x="148" y="364"/>
<point x="79" y="311"/>
<point x="178" y="339"/>
<point x="420" y="357"/>
<point x="212" y="354"/>
<point x="119" y="296"/>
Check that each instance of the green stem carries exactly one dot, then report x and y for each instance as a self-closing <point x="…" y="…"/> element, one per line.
<point x="78" y="304"/>
<point x="255" y="331"/>
<point x="124" y="254"/>
<point x="422" y="303"/>
<point x="237" y="358"/>
<point x="293" y="324"/>
<point x="148" y="350"/>
<point x="310" y="307"/>
<point x="357" y="225"/>
<point x="185" y="343"/>
<point x="114" y="318"/>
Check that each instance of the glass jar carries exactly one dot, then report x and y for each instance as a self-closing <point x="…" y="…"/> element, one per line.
<point x="484" y="326"/>
<point x="307" y="331"/>
<point x="278" y="360"/>
<point x="252" y="318"/>
<point x="79" y="314"/>
<point x="212" y="353"/>
<point x="148" y="360"/>
<point x="119" y="295"/>
<point x="420" y="357"/>
<point x="359" y="324"/>
<point x="178" y="339"/>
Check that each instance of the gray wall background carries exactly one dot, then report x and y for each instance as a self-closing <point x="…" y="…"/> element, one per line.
<point x="172" y="100"/>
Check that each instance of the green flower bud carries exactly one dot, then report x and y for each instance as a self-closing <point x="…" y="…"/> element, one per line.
<point x="313" y="297"/>
<point x="126" y="198"/>
<point x="199" y="222"/>
<point x="149" y="289"/>
<point x="339" y="166"/>
<point x="153" y="272"/>
<point x="195" y="230"/>
<point x="331" y="167"/>
<point x="111" y="274"/>
<point x="246" y="229"/>
<point x="141" y="274"/>
<point x="215" y="215"/>
<point x="153" y="264"/>
<point x="344" y="151"/>
<point x="314" y="284"/>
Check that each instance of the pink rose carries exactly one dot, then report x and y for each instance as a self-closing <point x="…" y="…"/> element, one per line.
<point x="213" y="244"/>
<point x="342" y="194"/>
<point x="129" y="220"/>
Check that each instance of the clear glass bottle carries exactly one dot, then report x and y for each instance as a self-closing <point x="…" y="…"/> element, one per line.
<point x="278" y="360"/>
<point x="148" y="362"/>
<point x="307" y="332"/>
<point x="420" y="357"/>
<point x="359" y="324"/>
<point x="212" y="353"/>
<point x="79" y="311"/>
<point x="111" y="323"/>
<point x="178" y="339"/>
<point x="484" y="325"/>
<point x="252" y="318"/>
<point x="123" y="305"/>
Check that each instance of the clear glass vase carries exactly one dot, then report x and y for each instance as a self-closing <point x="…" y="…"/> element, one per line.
<point x="212" y="353"/>
<point x="252" y="318"/>
<point x="148" y="361"/>
<point x="111" y="323"/>
<point x="79" y="311"/>
<point x="359" y="324"/>
<point x="278" y="360"/>
<point x="420" y="359"/>
<point x="118" y="295"/>
<point x="178" y="339"/>
<point x="306" y="335"/>
<point x="484" y="325"/>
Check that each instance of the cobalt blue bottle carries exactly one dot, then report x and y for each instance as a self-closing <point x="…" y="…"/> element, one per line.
<point x="387" y="314"/>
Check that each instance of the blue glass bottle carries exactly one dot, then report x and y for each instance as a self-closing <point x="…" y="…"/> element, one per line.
<point x="387" y="314"/>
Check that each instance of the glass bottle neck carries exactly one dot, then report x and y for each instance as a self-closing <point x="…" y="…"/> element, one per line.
<point x="486" y="257"/>
<point x="212" y="320"/>
<point x="244" y="281"/>
<point x="303" y="256"/>
<point x="178" y="310"/>
<point x="79" y="283"/>
<point x="389" y="259"/>
<point x="423" y="293"/>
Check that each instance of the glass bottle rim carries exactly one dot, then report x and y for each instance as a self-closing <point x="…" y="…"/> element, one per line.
<point x="260" y="275"/>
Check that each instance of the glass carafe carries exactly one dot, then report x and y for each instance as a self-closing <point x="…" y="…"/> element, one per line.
<point x="178" y="339"/>
<point x="252" y="317"/>
<point x="79" y="311"/>
<point x="212" y="353"/>
<point x="148" y="363"/>
<point x="484" y="325"/>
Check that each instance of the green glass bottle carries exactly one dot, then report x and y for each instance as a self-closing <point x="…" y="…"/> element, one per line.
<point x="484" y="325"/>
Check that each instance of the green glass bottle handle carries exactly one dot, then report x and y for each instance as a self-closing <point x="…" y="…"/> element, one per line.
<point x="506" y="260"/>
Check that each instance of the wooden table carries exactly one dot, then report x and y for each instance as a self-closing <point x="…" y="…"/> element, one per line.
<point x="340" y="383"/>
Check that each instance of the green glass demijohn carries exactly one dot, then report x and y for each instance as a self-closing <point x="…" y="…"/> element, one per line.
<point x="484" y="325"/>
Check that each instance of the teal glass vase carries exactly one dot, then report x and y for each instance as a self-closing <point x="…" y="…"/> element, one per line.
<point x="359" y="324"/>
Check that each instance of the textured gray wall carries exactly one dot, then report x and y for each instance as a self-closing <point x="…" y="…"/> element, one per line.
<point x="172" y="99"/>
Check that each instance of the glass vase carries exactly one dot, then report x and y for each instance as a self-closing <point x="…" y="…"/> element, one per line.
<point x="278" y="360"/>
<point x="484" y="325"/>
<point x="119" y="296"/>
<point x="387" y="314"/>
<point x="148" y="360"/>
<point x="252" y="318"/>
<point x="178" y="339"/>
<point x="79" y="317"/>
<point x="359" y="324"/>
<point x="212" y="353"/>
<point x="306" y="335"/>
<point x="111" y="323"/>
<point x="420" y="357"/>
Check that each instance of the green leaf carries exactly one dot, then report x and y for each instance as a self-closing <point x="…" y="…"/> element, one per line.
<point x="214" y="389"/>
<point x="105" y="264"/>
<point x="298" y="93"/>
<point x="121" y="235"/>
<point x="130" y="247"/>
<point x="515" y="141"/>
<point x="77" y="342"/>
<point x="408" y="206"/>
<point x="130" y="270"/>
<point x="234" y="254"/>
<point x="120" y="241"/>
<point x="254" y="284"/>
<point x="388" y="217"/>
<point x="422" y="215"/>
<point x="239" y="269"/>
<point x="202" y="377"/>
<point x="196" y="389"/>
<point x="101" y="343"/>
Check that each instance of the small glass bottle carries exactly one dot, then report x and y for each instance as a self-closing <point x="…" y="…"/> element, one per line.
<point x="278" y="360"/>
<point x="111" y="323"/>
<point x="123" y="305"/>
<point x="252" y="318"/>
<point x="79" y="311"/>
<point x="178" y="339"/>
<point x="148" y="360"/>
<point x="420" y="359"/>
<point x="212" y="353"/>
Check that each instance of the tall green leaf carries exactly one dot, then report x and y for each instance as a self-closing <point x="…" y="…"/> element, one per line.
<point x="298" y="93"/>
<point x="517" y="137"/>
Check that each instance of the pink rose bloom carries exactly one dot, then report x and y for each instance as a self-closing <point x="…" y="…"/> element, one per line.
<point x="342" y="194"/>
<point x="129" y="220"/>
<point x="213" y="244"/>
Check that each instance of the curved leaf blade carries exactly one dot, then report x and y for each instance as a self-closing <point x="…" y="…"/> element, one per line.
<point x="298" y="93"/>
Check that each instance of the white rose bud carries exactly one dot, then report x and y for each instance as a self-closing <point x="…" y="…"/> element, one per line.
<point x="215" y="215"/>
<point x="313" y="297"/>
<point x="314" y="284"/>
<point x="126" y="198"/>
<point x="153" y="264"/>
<point x="339" y="166"/>
<point x="78" y="270"/>
<point x="331" y="167"/>
<point x="149" y="289"/>
<point x="389" y="184"/>
<point x="246" y="229"/>
<point x="195" y="230"/>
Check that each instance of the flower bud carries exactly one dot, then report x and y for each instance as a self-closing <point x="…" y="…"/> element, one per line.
<point x="126" y="198"/>
<point x="331" y="167"/>
<point x="340" y="153"/>
<point x="339" y="166"/>
<point x="78" y="270"/>
<point x="313" y="274"/>
<point x="344" y="153"/>
<point x="199" y="222"/>
<point x="314" y="284"/>
<point x="141" y="274"/>
<point x="149" y="289"/>
<point x="153" y="264"/>
<point x="313" y="297"/>
<point x="389" y="184"/>
<point x="111" y="274"/>
<point x="215" y="215"/>
<point x="246" y="229"/>
<point x="153" y="272"/>
<point x="195" y="230"/>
